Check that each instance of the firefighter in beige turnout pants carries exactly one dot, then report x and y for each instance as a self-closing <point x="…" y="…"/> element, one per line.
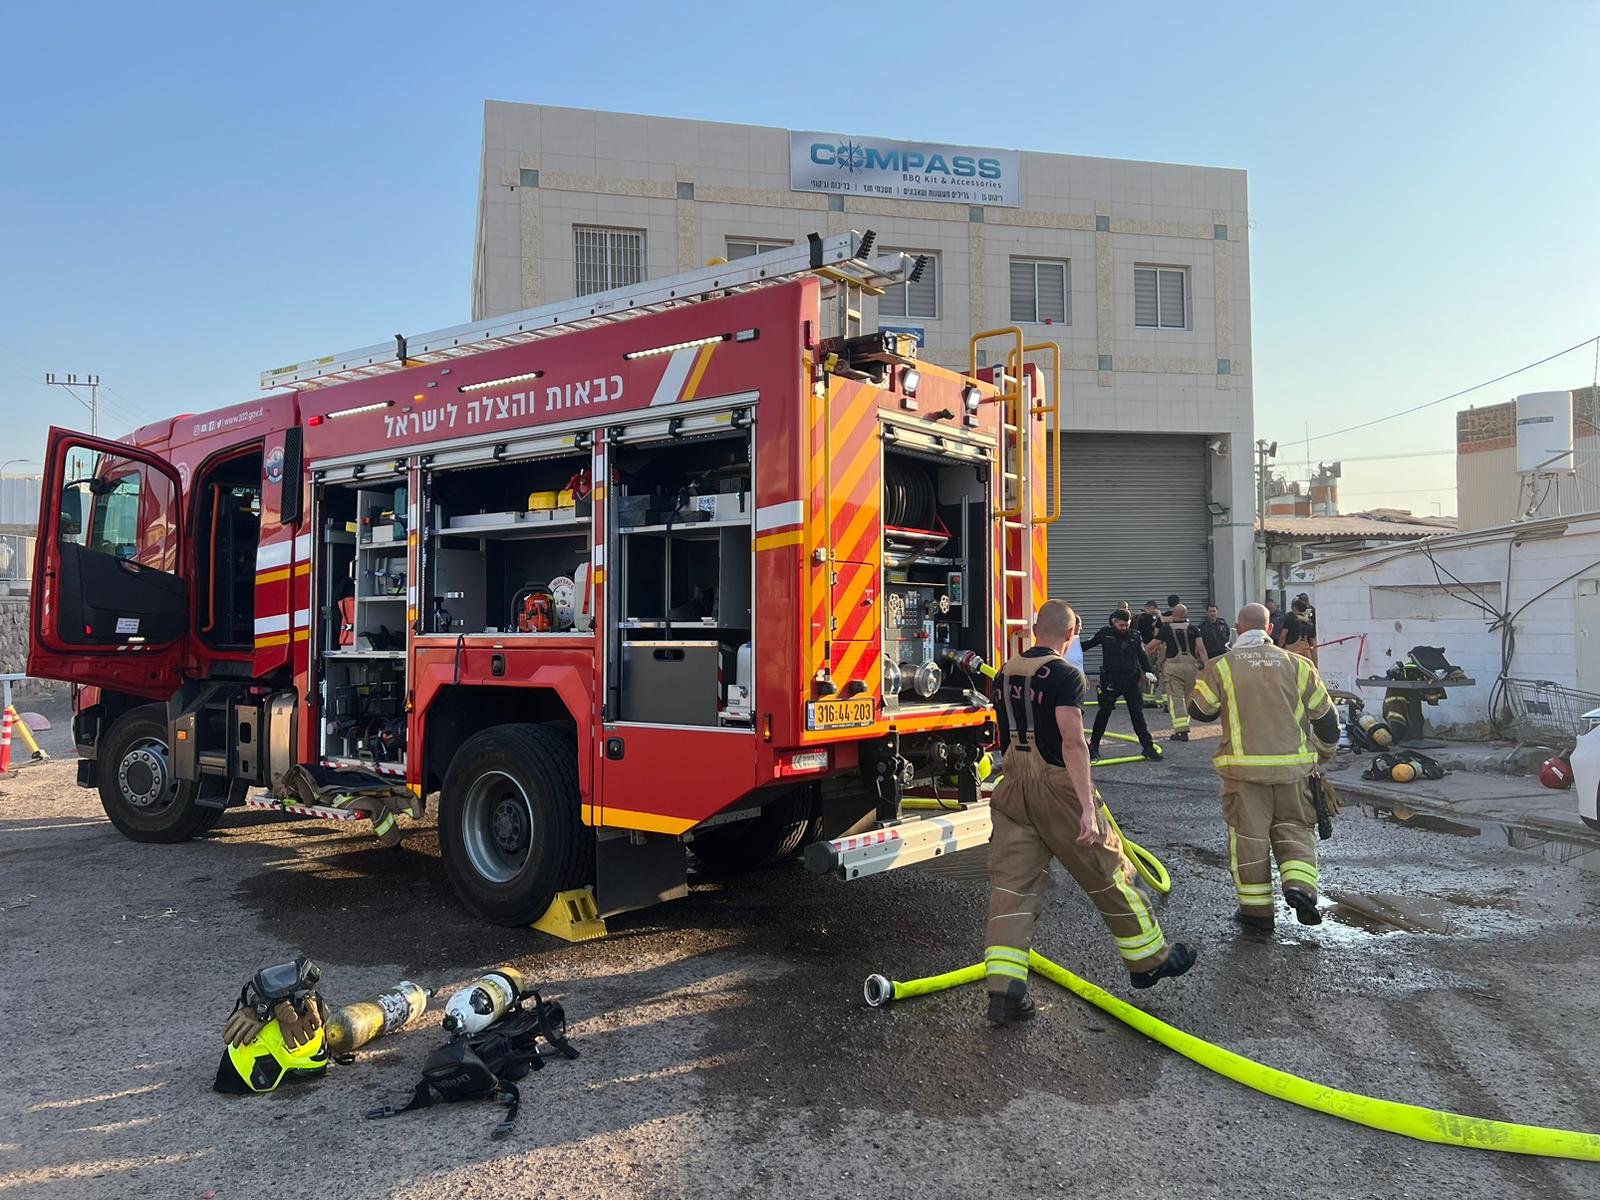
<point x="1277" y="723"/>
<point x="1044" y="808"/>
<point x="1183" y="656"/>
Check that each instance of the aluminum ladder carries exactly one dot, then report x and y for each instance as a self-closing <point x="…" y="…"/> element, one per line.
<point x="843" y="260"/>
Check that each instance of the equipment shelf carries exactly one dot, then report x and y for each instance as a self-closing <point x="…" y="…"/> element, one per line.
<point x="519" y="530"/>
<point x="687" y="528"/>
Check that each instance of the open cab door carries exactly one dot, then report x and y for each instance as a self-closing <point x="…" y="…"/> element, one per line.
<point x="110" y="602"/>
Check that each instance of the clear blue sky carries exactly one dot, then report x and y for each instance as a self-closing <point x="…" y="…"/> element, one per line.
<point x="191" y="193"/>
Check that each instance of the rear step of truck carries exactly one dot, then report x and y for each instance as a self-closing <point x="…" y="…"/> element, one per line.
<point x="902" y="843"/>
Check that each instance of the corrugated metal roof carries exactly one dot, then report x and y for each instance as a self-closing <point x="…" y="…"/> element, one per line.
<point x="1353" y="527"/>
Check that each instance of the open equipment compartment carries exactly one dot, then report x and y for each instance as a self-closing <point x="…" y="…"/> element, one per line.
<point x="936" y="556"/>
<point x="681" y="521"/>
<point x="365" y="584"/>
<point x="508" y="550"/>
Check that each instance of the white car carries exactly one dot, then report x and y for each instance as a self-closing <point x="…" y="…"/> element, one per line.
<point x="1586" y="771"/>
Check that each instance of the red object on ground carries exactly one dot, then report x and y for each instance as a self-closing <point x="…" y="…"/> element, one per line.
<point x="1556" y="772"/>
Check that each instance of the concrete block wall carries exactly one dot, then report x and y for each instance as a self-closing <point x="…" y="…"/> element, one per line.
<point x="14" y="650"/>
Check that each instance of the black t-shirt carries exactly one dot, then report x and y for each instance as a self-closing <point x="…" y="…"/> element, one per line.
<point x="1057" y="683"/>
<point x="1298" y="627"/>
<point x="1147" y="624"/>
<point x="1215" y="636"/>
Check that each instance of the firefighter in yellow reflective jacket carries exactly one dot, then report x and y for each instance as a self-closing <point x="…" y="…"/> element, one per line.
<point x="1043" y="808"/>
<point x="1277" y="723"/>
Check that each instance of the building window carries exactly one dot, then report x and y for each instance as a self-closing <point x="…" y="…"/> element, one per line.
<point x="1161" y="297"/>
<point x="919" y="300"/>
<point x="1039" y="291"/>
<point x="607" y="258"/>
<point x="745" y="247"/>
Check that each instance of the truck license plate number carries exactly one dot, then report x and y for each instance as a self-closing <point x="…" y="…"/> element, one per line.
<point x="841" y="714"/>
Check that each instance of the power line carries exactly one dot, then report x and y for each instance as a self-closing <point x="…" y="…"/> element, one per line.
<point x="1310" y="462"/>
<point x="1405" y="412"/>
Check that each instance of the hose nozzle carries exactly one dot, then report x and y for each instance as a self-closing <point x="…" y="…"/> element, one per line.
<point x="878" y="991"/>
<point x="968" y="661"/>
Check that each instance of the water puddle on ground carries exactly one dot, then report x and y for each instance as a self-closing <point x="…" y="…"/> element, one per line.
<point x="1383" y="913"/>
<point x="1575" y="851"/>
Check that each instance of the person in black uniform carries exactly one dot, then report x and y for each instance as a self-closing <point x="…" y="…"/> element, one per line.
<point x="1123" y="667"/>
<point x="1148" y="625"/>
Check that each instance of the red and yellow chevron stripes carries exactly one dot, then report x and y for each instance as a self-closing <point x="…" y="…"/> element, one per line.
<point x="844" y="594"/>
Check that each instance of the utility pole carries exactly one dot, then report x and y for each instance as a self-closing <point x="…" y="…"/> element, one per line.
<point x="1264" y="450"/>
<point x="92" y="382"/>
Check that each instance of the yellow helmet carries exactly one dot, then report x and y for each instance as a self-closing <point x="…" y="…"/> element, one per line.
<point x="264" y="1062"/>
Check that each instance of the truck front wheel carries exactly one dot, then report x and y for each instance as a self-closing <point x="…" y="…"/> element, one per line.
<point x="510" y="830"/>
<point x="137" y="788"/>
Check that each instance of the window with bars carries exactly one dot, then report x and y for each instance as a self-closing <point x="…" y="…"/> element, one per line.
<point x="1161" y="297"/>
<point x="1039" y="291"/>
<point x="606" y="258"/>
<point x="745" y="247"/>
<point x="918" y="300"/>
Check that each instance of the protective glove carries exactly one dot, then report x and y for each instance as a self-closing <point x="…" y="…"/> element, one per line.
<point x="243" y="1027"/>
<point x="1150" y="677"/>
<point x="298" y="1026"/>
<point x="1330" y="797"/>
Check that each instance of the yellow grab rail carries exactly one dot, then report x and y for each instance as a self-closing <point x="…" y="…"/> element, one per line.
<point x="1051" y="411"/>
<point x="1013" y="402"/>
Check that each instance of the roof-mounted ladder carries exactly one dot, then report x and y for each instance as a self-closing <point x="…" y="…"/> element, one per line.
<point x="843" y="260"/>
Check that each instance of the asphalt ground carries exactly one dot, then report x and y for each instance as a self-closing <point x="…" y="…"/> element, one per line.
<point x="726" y="1047"/>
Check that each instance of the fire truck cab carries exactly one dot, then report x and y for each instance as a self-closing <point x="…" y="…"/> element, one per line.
<point x="687" y="564"/>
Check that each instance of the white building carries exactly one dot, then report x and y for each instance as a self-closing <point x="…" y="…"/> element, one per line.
<point x="1140" y="271"/>
<point x="1542" y="578"/>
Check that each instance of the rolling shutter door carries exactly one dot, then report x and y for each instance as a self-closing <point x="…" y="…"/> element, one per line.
<point x="1134" y="525"/>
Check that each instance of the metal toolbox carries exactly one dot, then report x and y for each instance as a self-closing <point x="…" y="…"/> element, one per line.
<point x="674" y="683"/>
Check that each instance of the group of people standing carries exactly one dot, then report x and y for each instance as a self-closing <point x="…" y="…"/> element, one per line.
<point x="1277" y="723"/>
<point x="1159" y="647"/>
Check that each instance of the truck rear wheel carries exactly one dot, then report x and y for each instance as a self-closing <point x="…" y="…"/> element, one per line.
<point x="510" y="830"/>
<point x="781" y="830"/>
<point x="137" y="788"/>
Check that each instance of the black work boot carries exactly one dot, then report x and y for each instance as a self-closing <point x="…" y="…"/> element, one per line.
<point x="1006" y="1009"/>
<point x="1153" y="752"/>
<point x="1094" y="751"/>
<point x="1178" y="960"/>
<point x="1257" y="923"/>
<point x="1305" y="908"/>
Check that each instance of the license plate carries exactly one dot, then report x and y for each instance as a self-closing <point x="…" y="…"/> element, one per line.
<point x="841" y="714"/>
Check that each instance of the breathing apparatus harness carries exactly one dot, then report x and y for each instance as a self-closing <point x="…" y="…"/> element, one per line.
<point x="486" y="1065"/>
<point x="1383" y="765"/>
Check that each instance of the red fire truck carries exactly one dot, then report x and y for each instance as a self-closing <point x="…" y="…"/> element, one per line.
<point x="688" y="562"/>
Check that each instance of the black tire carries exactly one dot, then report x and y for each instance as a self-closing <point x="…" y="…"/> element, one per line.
<point x="1591" y="823"/>
<point x="786" y="826"/>
<point x="510" y="830"/>
<point x="133" y="761"/>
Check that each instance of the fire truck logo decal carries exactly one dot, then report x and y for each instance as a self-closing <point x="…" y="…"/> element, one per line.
<point x="275" y="466"/>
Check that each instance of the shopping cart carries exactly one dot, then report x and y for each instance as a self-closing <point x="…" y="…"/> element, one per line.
<point x="1546" y="714"/>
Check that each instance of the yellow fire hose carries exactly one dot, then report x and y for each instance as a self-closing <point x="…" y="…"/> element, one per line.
<point x="1408" y="1120"/>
